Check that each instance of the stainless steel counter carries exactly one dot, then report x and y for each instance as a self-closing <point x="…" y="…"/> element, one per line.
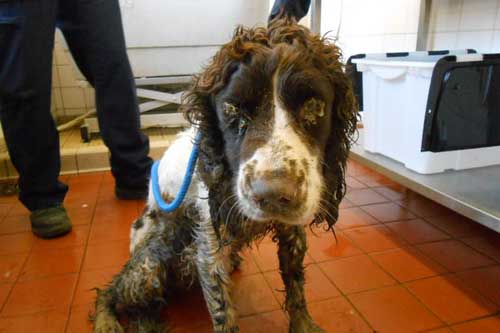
<point x="474" y="193"/>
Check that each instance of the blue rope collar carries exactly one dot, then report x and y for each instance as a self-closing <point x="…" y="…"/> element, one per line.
<point x="179" y="198"/>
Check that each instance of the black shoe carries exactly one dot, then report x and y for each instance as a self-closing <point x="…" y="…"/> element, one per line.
<point x="50" y="222"/>
<point x="131" y="193"/>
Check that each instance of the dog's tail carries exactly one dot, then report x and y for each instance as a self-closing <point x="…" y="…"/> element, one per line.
<point x="140" y="321"/>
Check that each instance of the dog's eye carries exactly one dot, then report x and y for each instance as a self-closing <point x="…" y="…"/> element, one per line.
<point x="242" y="126"/>
<point x="312" y="110"/>
<point x="236" y="117"/>
<point x="231" y="110"/>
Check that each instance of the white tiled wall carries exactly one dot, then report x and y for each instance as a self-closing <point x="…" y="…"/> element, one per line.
<point x="465" y="24"/>
<point x="71" y="95"/>
<point x="367" y="26"/>
<point x="391" y="25"/>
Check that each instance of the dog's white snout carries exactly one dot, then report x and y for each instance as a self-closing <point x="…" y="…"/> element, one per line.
<point x="273" y="194"/>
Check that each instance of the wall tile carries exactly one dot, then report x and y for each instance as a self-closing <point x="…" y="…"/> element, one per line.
<point x="495" y="47"/>
<point x="445" y="15"/>
<point x="61" y="55"/>
<point x="481" y="41"/>
<point x="92" y="160"/>
<point x="411" y="42"/>
<point x="412" y="9"/>
<point x="478" y="15"/>
<point x="11" y="170"/>
<point x="68" y="161"/>
<point x="497" y="17"/>
<point x="60" y="39"/>
<point x="395" y="43"/>
<point x="3" y="169"/>
<point x="89" y="98"/>
<point x="67" y="76"/>
<point x="56" y="103"/>
<point x="443" y="41"/>
<point x="55" y="77"/>
<point x="351" y="45"/>
<point x="73" y="98"/>
<point x="4" y="156"/>
<point x="75" y="111"/>
<point x="397" y="19"/>
<point x="57" y="99"/>
<point x="362" y="16"/>
<point x="330" y="16"/>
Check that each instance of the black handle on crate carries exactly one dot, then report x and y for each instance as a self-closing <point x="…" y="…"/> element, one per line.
<point x="463" y="104"/>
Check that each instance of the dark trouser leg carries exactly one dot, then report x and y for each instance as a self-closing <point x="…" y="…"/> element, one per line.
<point x="292" y="247"/>
<point x="26" y="43"/>
<point x="94" y="32"/>
<point x="294" y="8"/>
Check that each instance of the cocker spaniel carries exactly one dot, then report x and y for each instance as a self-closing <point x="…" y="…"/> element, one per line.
<point x="277" y="114"/>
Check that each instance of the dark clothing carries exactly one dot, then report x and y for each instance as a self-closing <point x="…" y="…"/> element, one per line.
<point x="94" y="33"/>
<point x="295" y="8"/>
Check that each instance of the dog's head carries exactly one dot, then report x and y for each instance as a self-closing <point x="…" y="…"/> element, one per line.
<point x="277" y="114"/>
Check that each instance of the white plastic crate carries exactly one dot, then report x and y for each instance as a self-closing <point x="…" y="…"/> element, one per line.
<point x="395" y="93"/>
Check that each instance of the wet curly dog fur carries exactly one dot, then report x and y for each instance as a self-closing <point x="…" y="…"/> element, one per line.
<point x="277" y="114"/>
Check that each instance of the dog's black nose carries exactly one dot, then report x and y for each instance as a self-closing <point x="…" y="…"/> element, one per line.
<point x="274" y="195"/>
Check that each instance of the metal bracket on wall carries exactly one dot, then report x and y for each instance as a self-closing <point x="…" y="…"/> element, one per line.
<point x="423" y="25"/>
<point x="316" y="16"/>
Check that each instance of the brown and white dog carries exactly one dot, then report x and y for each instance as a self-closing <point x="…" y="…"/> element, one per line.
<point x="276" y="114"/>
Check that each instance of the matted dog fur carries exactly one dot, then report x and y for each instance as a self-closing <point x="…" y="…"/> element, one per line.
<point x="277" y="114"/>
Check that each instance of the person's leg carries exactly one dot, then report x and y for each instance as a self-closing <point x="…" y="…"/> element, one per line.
<point x="294" y="8"/>
<point x="26" y="43"/>
<point x="94" y="32"/>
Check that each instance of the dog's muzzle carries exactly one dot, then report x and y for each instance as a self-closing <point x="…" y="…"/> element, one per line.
<point x="275" y="195"/>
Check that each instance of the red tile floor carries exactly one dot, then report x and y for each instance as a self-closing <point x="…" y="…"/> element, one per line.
<point x="401" y="264"/>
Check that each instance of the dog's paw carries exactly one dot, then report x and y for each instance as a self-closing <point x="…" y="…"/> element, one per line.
<point x="224" y="329"/>
<point x="304" y="325"/>
<point x="107" y="325"/>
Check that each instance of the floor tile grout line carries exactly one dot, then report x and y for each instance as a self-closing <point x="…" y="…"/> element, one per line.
<point x="425" y="305"/>
<point x="478" y="251"/>
<point x="2" y="306"/>
<point x="460" y="240"/>
<point x="495" y="263"/>
<point x="444" y="275"/>
<point x="403" y="285"/>
<point x="258" y="267"/>
<point x="414" y="246"/>
<point x="494" y="315"/>
<point x="281" y="305"/>
<point x="398" y="283"/>
<point x="417" y="216"/>
<point x="261" y="272"/>
<point x="345" y="296"/>
<point x="79" y="274"/>
<point x="487" y="297"/>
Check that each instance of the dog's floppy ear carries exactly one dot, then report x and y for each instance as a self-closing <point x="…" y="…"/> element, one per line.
<point x="343" y="128"/>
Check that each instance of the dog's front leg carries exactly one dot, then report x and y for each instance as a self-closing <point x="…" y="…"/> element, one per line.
<point x="214" y="279"/>
<point x="292" y="247"/>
